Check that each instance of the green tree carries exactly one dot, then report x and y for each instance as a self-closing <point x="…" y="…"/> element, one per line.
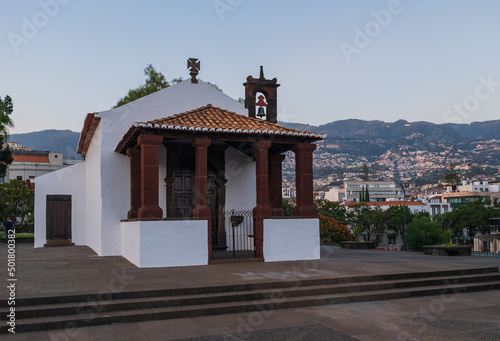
<point x="366" y="172"/>
<point x="423" y="231"/>
<point x="6" y="109"/>
<point x="331" y="209"/>
<point x="367" y="194"/>
<point x="372" y="221"/>
<point x="395" y="218"/>
<point x="287" y="206"/>
<point x="473" y="217"/>
<point x="155" y="81"/>
<point x="17" y="201"/>
<point x="451" y="177"/>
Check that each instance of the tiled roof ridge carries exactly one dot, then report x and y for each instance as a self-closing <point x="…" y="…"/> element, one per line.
<point x="266" y="127"/>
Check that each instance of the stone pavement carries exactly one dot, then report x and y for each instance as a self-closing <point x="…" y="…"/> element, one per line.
<point x="77" y="270"/>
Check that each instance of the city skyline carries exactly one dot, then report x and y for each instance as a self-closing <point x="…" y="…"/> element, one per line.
<point x="384" y="60"/>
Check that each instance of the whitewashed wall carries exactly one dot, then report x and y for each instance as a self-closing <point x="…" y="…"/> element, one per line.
<point x="93" y="193"/>
<point x="66" y="181"/>
<point x="291" y="239"/>
<point x="241" y="189"/>
<point x="114" y="167"/>
<point x="150" y="244"/>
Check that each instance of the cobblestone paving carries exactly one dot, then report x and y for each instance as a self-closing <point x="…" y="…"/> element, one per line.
<point x="482" y="323"/>
<point x="316" y="333"/>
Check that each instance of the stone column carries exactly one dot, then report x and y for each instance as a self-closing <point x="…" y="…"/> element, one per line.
<point x="275" y="183"/>
<point x="304" y="180"/>
<point x="150" y="161"/>
<point x="201" y="210"/>
<point x="262" y="210"/>
<point x="135" y="182"/>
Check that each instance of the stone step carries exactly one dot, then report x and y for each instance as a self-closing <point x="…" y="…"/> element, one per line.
<point x="70" y="322"/>
<point x="245" y="287"/>
<point x="239" y="296"/>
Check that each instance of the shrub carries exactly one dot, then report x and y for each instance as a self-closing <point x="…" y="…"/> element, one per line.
<point x="447" y="237"/>
<point x="423" y="231"/>
<point x="332" y="231"/>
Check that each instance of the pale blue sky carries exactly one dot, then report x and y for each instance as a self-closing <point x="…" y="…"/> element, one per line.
<point x="430" y="60"/>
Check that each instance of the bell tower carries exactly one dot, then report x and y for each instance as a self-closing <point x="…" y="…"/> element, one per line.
<point x="268" y="89"/>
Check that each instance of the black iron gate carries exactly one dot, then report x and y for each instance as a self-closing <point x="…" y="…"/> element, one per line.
<point x="239" y="233"/>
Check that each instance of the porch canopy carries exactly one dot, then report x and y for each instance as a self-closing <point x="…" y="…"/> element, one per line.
<point x="214" y="127"/>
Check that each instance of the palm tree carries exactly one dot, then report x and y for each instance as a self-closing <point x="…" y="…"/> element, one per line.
<point x="6" y="108"/>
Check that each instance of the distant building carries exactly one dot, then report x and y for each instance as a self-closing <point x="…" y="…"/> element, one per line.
<point x="29" y="164"/>
<point x="335" y="194"/>
<point x="471" y="191"/>
<point x="437" y="206"/>
<point x="378" y="191"/>
<point x="414" y="206"/>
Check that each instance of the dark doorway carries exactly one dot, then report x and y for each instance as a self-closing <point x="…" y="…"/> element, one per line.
<point x="58" y="218"/>
<point x="183" y="191"/>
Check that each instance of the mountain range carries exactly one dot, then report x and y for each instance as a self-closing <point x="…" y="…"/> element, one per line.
<point x="354" y="128"/>
<point x="66" y="141"/>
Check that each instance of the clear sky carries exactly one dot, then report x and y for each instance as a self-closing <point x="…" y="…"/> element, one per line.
<point x="418" y="60"/>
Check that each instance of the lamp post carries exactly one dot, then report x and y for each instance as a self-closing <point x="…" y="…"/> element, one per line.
<point x="404" y="186"/>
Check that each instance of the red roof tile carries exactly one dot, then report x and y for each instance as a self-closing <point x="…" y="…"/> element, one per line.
<point x="214" y="119"/>
<point x="30" y="158"/>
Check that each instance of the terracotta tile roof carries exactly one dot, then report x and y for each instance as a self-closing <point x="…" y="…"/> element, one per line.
<point x="214" y="119"/>
<point x="30" y="158"/>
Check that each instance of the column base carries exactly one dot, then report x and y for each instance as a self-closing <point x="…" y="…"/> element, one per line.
<point x="277" y="212"/>
<point x="150" y="213"/>
<point x="132" y="213"/>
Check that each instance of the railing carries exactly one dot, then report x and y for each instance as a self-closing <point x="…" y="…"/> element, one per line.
<point x="487" y="245"/>
<point x="239" y="230"/>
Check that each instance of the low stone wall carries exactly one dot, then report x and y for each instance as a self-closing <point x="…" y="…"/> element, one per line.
<point x="357" y="245"/>
<point x="438" y="250"/>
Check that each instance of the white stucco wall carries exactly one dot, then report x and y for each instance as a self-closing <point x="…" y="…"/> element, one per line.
<point x="93" y="190"/>
<point x="168" y="243"/>
<point x="66" y="181"/>
<point x="114" y="167"/>
<point x="291" y="239"/>
<point x="241" y="189"/>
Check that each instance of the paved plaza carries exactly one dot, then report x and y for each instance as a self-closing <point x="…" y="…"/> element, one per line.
<point x="78" y="270"/>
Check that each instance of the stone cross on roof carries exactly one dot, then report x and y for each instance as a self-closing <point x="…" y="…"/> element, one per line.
<point x="193" y="64"/>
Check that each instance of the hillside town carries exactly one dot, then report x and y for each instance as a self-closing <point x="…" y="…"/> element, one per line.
<point x="423" y="169"/>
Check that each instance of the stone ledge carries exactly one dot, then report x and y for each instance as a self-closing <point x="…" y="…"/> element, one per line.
<point x="438" y="250"/>
<point x="357" y="245"/>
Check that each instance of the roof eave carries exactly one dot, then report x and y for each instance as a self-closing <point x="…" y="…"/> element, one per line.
<point x="89" y="128"/>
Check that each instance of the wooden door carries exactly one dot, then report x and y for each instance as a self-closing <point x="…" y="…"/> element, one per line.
<point x="58" y="217"/>
<point x="183" y="190"/>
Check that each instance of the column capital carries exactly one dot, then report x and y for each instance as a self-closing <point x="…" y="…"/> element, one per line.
<point x="150" y="140"/>
<point x="261" y="145"/>
<point x="304" y="146"/>
<point x="201" y="142"/>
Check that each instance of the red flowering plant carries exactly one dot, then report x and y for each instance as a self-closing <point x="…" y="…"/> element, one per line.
<point x="332" y="231"/>
<point x="332" y="223"/>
